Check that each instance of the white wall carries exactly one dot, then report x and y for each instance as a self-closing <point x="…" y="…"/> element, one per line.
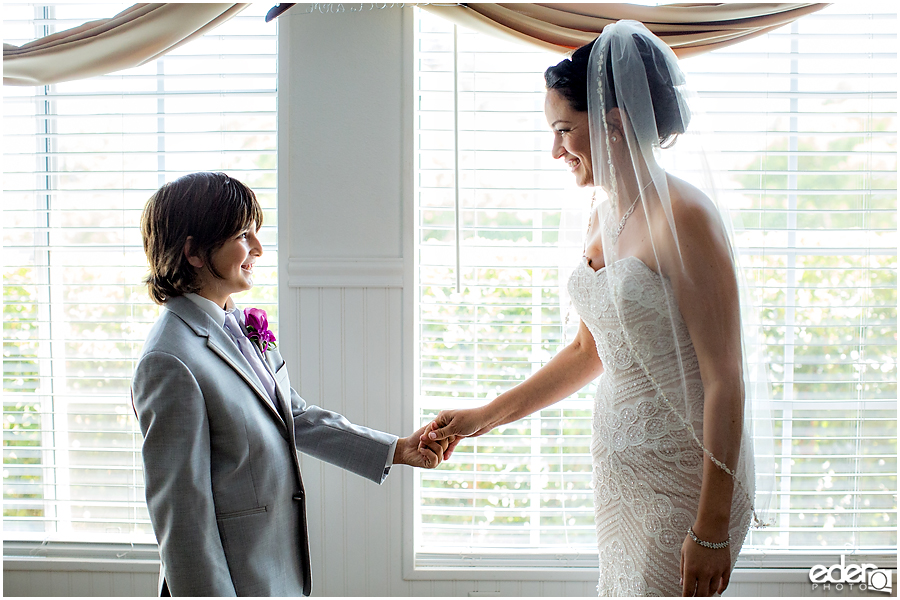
<point x="345" y="239"/>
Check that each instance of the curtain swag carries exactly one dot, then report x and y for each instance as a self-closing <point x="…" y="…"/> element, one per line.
<point x="689" y="29"/>
<point x="133" y="37"/>
<point x="145" y="32"/>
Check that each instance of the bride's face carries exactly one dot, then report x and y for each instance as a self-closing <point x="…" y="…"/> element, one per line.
<point x="571" y="136"/>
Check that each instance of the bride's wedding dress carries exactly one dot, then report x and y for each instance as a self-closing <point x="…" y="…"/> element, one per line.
<point x="647" y="467"/>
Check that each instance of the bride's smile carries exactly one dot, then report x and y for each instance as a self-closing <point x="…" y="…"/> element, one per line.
<point x="571" y="137"/>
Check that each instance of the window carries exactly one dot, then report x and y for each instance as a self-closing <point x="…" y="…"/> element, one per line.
<point x="80" y="160"/>
<point x="806" y="127"/>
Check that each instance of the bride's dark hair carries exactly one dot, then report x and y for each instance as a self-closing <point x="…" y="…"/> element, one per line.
<point x="569" y="78"/>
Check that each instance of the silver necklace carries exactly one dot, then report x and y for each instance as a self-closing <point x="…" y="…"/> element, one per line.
<point x="614" y="233"/>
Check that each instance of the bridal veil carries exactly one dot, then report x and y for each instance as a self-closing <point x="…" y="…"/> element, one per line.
<point x="636" y="89"/>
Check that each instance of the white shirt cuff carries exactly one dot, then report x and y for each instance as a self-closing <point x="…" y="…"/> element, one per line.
<point x="390" y="456"/>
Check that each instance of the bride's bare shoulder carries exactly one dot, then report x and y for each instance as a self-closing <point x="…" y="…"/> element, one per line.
<point x="701" y="235"/>
<point x="693" y="211"/>
<point x="690" y="201"/>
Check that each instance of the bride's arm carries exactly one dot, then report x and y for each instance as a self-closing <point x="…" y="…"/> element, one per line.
<point x="569" y="371"/>
<point x="707" y="295"/>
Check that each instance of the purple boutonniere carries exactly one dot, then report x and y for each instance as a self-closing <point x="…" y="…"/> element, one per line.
<point x="257" y="324"/>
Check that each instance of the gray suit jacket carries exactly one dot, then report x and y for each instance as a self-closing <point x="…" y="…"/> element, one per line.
<point x="222" y="476"/>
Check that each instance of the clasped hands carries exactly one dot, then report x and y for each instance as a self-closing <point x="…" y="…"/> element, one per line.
<point x="451" y="426"/>
<point x="434" y="442"/>
<point x="419" y="451"/>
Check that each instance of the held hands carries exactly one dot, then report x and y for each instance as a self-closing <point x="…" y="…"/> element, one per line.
<point x="434" y="443"/>
<point x="704" y="571"/>
<point x="411" y="451"/>
<point x="452" y="426"/>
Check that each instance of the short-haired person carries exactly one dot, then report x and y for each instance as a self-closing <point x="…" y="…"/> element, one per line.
<point x="220" y="421"/>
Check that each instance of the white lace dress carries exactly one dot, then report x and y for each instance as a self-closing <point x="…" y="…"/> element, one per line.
<point x="647" y="468"/>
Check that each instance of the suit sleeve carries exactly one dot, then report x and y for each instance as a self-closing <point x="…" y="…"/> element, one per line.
<point x="331" y="437"/>
<point x="176" y="453"/>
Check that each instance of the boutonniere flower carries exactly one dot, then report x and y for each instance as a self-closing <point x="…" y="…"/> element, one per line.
<point x="257" y="324"/>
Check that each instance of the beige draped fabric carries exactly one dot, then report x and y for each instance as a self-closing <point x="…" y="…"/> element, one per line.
<point x="133" y="37"/>
<point x="146" y="31"/>
<point x="688" y="29"/>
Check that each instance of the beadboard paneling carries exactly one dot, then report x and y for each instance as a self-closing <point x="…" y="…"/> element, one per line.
<point x="349" y="362"/>
<point x="30" y="578"/>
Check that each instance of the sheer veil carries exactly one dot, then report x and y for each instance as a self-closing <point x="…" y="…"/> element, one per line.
<point x="632" y="183"/>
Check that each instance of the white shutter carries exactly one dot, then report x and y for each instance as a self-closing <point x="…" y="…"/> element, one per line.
<point x="806" y="136"/>
<point x="80" y="160"/>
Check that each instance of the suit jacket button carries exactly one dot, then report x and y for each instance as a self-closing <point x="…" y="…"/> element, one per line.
<point x="298" y="496"/>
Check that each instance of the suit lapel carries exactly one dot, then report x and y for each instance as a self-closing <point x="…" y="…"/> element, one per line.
<point x="220" y="343"/>
<point x="278" y="370"/>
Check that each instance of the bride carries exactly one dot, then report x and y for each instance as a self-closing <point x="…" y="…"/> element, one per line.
<point x="658" y="298"/>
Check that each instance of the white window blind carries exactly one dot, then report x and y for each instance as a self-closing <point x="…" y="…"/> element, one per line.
<point x="80" y="161"/>
<point x="806" y="137"/>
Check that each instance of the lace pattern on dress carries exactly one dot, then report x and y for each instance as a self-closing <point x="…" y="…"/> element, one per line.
<point x="647" y="461"/>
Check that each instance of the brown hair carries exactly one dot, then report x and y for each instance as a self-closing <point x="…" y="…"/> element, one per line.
<point x="209" y="207"/>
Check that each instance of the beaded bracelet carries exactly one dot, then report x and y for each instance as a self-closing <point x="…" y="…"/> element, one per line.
<point x="712" y="545"/>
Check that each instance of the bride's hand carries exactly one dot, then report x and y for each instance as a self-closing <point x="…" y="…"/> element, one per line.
<point x="704" y="571"/>
<point x="456" y="425"/>
<point x="413" y="452"/>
